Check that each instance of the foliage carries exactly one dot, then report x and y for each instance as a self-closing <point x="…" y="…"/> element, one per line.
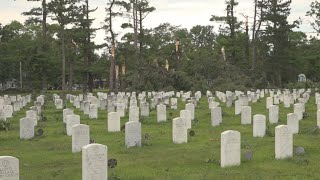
<point x="5" y="125"/>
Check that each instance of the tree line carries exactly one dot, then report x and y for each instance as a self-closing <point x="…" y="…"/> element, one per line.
<point x="55" y="48"/>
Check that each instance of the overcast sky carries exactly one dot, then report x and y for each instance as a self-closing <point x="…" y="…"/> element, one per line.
<point x="185" y="13"/>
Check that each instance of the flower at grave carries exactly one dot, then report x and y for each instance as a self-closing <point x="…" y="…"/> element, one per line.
<point x="192" y="133"/>
<point x="112" y="163"/>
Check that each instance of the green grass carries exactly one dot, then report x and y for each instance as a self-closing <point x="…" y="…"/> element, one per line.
<point x="50" y="157"/>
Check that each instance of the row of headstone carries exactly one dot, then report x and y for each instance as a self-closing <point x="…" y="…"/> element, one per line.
<point x="11" y="104"/>
<point x="30" y="121"/>
<point x="231" y="146"/>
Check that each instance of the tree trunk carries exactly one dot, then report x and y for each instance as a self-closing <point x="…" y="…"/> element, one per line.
<point x="44" y="44"/>
<point x="253" y="64"/>
<point x="141" y="30"/>
<point x="135" y="27"/>
<point x="88" y="53"/>
<point x="70" y="75"/>
<point x="63" y="58"/>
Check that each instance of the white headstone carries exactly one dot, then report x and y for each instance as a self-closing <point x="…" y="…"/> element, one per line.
<point x="113" y="122"/>
<point x="237" y="107"/>
<point x="298" y="110"/>
<point x="269" y="102"/>
<point x="174" y="103"/>
<point x="191" y="107"/>
<point x="16" y="106"/>
<point x="65" y="113"/>
<point x="26" y="128"/>
<point x="145" y="109"/>
<point x="133" y="134"/>
<point x="216" y="116"/>
<point x="59" y="103"/>
<point x="273" y="114"/>
<point x="318" y="118"/>
<point x="293" y="123"/>
<point x="3" y="116"/>
<point x="161" y="113"/>
<point x="31" y="114"/>
<point x="121" y="109"/>
<point x="230" y="148"/>
<point x="246" y="117"/>
<point x="283" y="142"/>
<point x="80" y="137"/>
<point x="8" y="110"/>
<point x="93" y="111"/>
<point x="86" y="107"/>
<point x="134" y="113"/>
<point x="9" y="168"/>
<point x="186" y="115"/>
<point x="94" y="162"/>
<point x="72" y="120"/>
<point x="259" y="125"/>
<point x="179" y="131"/>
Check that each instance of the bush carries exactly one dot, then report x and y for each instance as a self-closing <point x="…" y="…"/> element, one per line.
<point x="4" y="125"/>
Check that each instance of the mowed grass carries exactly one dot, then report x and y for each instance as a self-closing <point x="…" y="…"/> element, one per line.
<point x="50" y="157"/>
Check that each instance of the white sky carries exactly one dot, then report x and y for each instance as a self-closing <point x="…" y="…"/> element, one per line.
<point x="186" y="13"/>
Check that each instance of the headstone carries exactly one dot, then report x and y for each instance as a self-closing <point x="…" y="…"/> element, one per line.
<point x="191" y="107"/>
<point x="3" y="116"/>
<point x="259" y="125"/>
<point x="186" y="115"/>
<point x="230" y="148"/>
<point x="293" y="123"/>
<point x="174" y="103"/>
<point x="161" y="113"/>
<point x="179" y="131"/>
<point x="229" y="101"/>
<point x="246" y="116"/>
<point x="113" y="122"/>
<point x="80" y="137"/>
<point x="110" y="106"/>
<point x="273" y="114"/>
<point x="237" y="107"/>
<point x="133" y="134"/>
<point x="216" y="116"/>
<point x="26" y="128"/>
<point x="8" y="110"/>
<point x="31" y="114"/>
<point x="72" y="120"/>
<point x="94" y="162"/>
<point x="121" y="109"/>
<point x="145" y="110"/>
<point x="59" y="103"/>
<point x="269" y="102"/>
<point x="283" y="142"/>
<point x="9" y="168"/>
<point x="86" y="107"/>
<point x="93" y="111"/>
<point x="318" y="118"/>
<point x="298" y="110"/>
<point x="134" y="113"/>
<point x="16" y="106"/>
<point x="65" y="113"/>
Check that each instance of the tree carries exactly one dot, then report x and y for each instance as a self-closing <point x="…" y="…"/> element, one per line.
<point x="314" y="12"/>
<point x="82" y="35"/>
<point x="35" y="14"/>
<point x="112" y="12"/>
<point x="64" y="13"/>
<point x="276" y="35"/>
<point x="233" y="25"/>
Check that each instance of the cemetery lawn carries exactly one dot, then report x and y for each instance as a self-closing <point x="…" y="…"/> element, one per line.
<point x="50" y="157"/>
